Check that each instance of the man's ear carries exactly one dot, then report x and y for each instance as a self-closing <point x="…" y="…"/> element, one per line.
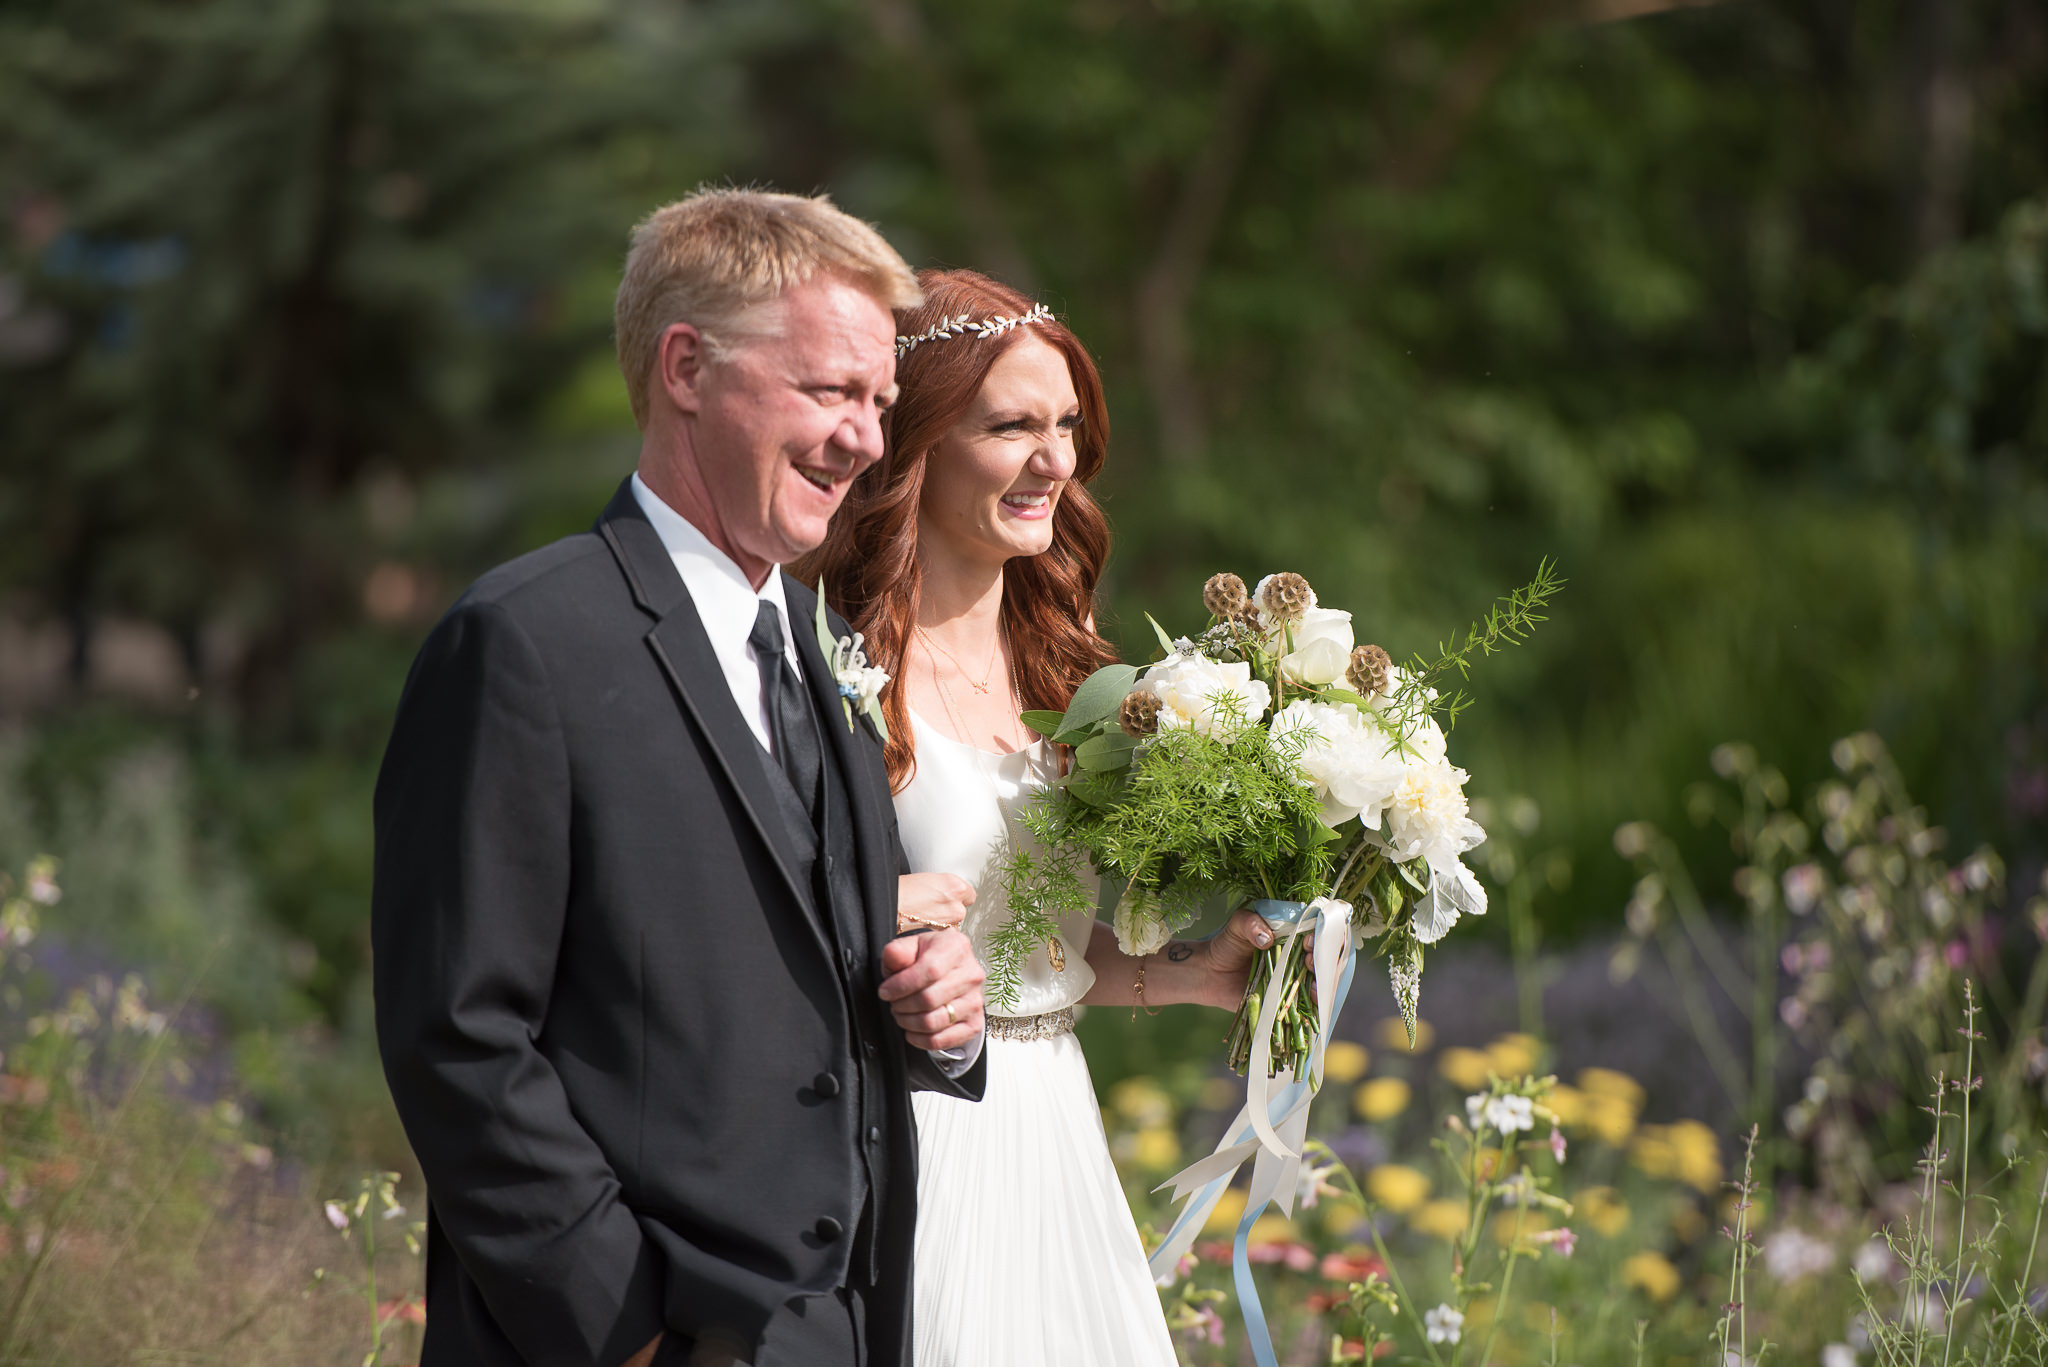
<point x="679" y="365"/>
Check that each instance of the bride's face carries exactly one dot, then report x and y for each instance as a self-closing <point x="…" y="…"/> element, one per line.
<point x="991" y="484"/>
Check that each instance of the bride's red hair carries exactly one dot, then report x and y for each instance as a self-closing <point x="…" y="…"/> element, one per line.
<point x="869" y="559"/>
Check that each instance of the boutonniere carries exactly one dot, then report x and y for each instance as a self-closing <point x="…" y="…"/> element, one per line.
<point x="860" y="683"/>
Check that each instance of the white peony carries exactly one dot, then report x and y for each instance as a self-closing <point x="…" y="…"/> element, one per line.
<point x="1347" y="759"/>
<point x="1322" y="648"/>
<point x="1216" y="699"/>
<point x="1428" y="818"/>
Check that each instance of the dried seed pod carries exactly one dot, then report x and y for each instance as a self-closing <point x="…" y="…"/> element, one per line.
<point x="1225" y="596"/>
<point x="1139" y="716"/>
<point x="1286" y="595"/>
<point x="1372" y="669"/>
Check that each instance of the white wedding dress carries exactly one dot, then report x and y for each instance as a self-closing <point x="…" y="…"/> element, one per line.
<point x="1027" y="1255"/>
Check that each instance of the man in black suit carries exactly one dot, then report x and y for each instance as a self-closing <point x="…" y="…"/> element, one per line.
<point x="640" y="997"/>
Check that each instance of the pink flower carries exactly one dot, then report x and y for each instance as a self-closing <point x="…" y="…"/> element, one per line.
<point x="1562" y="1240"/>
<point x="1557" y="1143"/>
<point x="1209" y="1325"/>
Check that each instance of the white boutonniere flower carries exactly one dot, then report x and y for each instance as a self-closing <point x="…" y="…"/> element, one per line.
<point x="860" y="683"/>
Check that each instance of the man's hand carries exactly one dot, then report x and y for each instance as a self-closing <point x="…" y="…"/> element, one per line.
<point x="645" y="1355"/>
<point x="932" y="901"/>
<point x="934" y="988"/>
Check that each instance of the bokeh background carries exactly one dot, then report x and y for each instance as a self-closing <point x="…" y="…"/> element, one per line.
<point x="1737" y="310"/>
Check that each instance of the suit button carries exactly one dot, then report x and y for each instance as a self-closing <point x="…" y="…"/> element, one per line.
<point x="828" y="1228"/>
<point x="825" y="1084"/>
<point x="846" y="957"/>
<point x="870" y="1047"/>
<point x="874" y="1134"/>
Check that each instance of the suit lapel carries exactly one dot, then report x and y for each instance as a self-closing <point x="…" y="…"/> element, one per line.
<point x="859" y="753"/>
<point x="683" y="651"/>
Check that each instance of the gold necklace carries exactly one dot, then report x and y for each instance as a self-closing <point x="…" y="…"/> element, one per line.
<point x="987" y="674"/>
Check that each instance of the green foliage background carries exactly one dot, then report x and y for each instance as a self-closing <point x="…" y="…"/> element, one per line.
<point x="1736" y="309"/>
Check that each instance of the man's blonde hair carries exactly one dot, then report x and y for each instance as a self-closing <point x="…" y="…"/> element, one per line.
<point x="712" y="258"/>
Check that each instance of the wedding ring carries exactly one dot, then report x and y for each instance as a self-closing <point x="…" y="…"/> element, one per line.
<point x="951" y="1019"/>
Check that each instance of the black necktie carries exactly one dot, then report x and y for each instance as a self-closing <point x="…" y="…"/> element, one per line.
<point x="790" y="722"/>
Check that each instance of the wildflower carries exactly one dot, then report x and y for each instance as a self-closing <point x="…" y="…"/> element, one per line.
<point x="1441" y="1219"/>
<point x="1224" y="1215"/>
<point x="1397" y="1187"/>
<point x="1142" y="1102"/>
<point x="1507" y="1114"/>
<point x="336" y="1216"/>
<point x="1466" y="1068"/>
<point x="1561" y="1239"/>
<point x="1271" y="1229"/>
<point x="1792" y="1254"/>
<point x="1344" y="1061"/>
<point x="1393" y="1034"/>
<point x="1872" y="1261"/>
<point x="1352" y="1265"/>
<point x="42" y="886"/>
<point x="1603" y="1209"/>
<point x="1651" y="1273"/>
<point x="1512" y="1055"/>
<point x="1837" y="1355"/>
<point x="1557" y="1143"/>
<point x="1443" y="1324"/>
<point x="1313" y="1183"/>
<point x="1207" y="1325"/>
<point x="1381" y="1098"/>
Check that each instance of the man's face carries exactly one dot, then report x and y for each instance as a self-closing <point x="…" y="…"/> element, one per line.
<point x="790" y="418"/>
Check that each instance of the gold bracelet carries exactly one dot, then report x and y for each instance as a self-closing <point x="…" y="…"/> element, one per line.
<point x="1138" y="993"/>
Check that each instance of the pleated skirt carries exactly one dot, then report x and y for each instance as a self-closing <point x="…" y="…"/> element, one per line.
<point x="1027" y="1255"/>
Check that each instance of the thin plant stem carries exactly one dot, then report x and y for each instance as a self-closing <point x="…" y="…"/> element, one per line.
<point x="2027" y="1273"/>
<point x="1968" y="1085"/>
<point x="1507" y="1282"/>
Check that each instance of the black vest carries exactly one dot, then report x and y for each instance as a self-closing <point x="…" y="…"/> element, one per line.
<point x="828" y="866"/>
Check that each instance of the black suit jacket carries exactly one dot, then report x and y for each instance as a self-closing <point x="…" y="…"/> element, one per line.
<point x="611" y="1015"/>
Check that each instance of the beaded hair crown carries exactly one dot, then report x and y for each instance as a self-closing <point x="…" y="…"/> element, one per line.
<point x="960" y="327"/>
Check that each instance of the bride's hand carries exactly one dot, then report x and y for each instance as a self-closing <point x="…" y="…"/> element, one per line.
<point x="931" y="901"/>
<point x="1231" y="951"/>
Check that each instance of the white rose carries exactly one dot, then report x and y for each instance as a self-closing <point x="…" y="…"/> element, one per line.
<point x="1428" y="818"/>
<point x="1322" y="648"/>
<point x="1218" y="700"/>
<point x="1346" y="759"/>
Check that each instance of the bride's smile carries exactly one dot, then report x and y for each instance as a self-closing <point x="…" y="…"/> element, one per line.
<point x="994" y="480"/>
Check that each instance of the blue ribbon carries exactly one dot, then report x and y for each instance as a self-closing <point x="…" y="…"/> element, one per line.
<point x="1257" y="1332"/>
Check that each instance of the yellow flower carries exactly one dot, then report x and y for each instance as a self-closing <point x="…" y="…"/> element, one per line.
<point x="1610" y="1119"/>
<point x="1513" y="1055"/>
<point x="1141" y="1100"/>
<point x="1344" y="1061"/>
<point x="1272" y="1229"/>
<point x="1465" y="1068"/>
<point x="1653" y="1154"/>
<point x="1607" y="1082"/>
<point x="1397" y="1187"/>
<point x="1687" y="1223"/>
<point x="1502" y="1225"/>
<point x="1381" y="1098"/>
<point x="1697" y="1154"/>
<point x="1229" y="1207"/>
<point x="1569" y="1103"/>
<point x="1649" y="1272"/>
<point x="1439" y="1219"/>
<point x="1602" y="1209"/>
<point x="1394" y="1035"/>
<point x="1155" y="1148"/>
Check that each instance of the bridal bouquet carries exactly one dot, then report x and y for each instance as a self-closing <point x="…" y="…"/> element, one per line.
<point x="1275" y="760"/>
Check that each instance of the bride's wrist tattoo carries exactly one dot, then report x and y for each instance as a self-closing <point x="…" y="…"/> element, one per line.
<point x="1180" y="951"/>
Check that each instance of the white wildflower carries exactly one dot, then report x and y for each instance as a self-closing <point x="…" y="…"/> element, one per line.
<point x="1872" y="1261"/>
<point x="1444" y="1325"/>
<point x="1837" y="1355"/>
<point x="1506" y="1114"/>
<point x="336" y="1216"/>
<point x="1791" y="1254"/>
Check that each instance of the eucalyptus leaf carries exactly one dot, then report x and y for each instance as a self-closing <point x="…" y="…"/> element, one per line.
<point x="1111" y="750"/>
<point x="1099" y="696"/>
<point x="1165" y="641"/>
<point x="1044" y="723"/>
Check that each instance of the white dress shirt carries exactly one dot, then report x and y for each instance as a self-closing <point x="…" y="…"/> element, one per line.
<point x="728" y="605"/>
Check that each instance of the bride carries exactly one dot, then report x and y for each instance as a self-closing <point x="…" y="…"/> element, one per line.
<point x="969" y="558"/>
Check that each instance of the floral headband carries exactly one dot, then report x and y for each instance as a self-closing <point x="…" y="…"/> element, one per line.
<point x="959" y="327"/>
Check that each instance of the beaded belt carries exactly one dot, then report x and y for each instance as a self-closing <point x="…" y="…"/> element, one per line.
<point x="1048" y="1026"/>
